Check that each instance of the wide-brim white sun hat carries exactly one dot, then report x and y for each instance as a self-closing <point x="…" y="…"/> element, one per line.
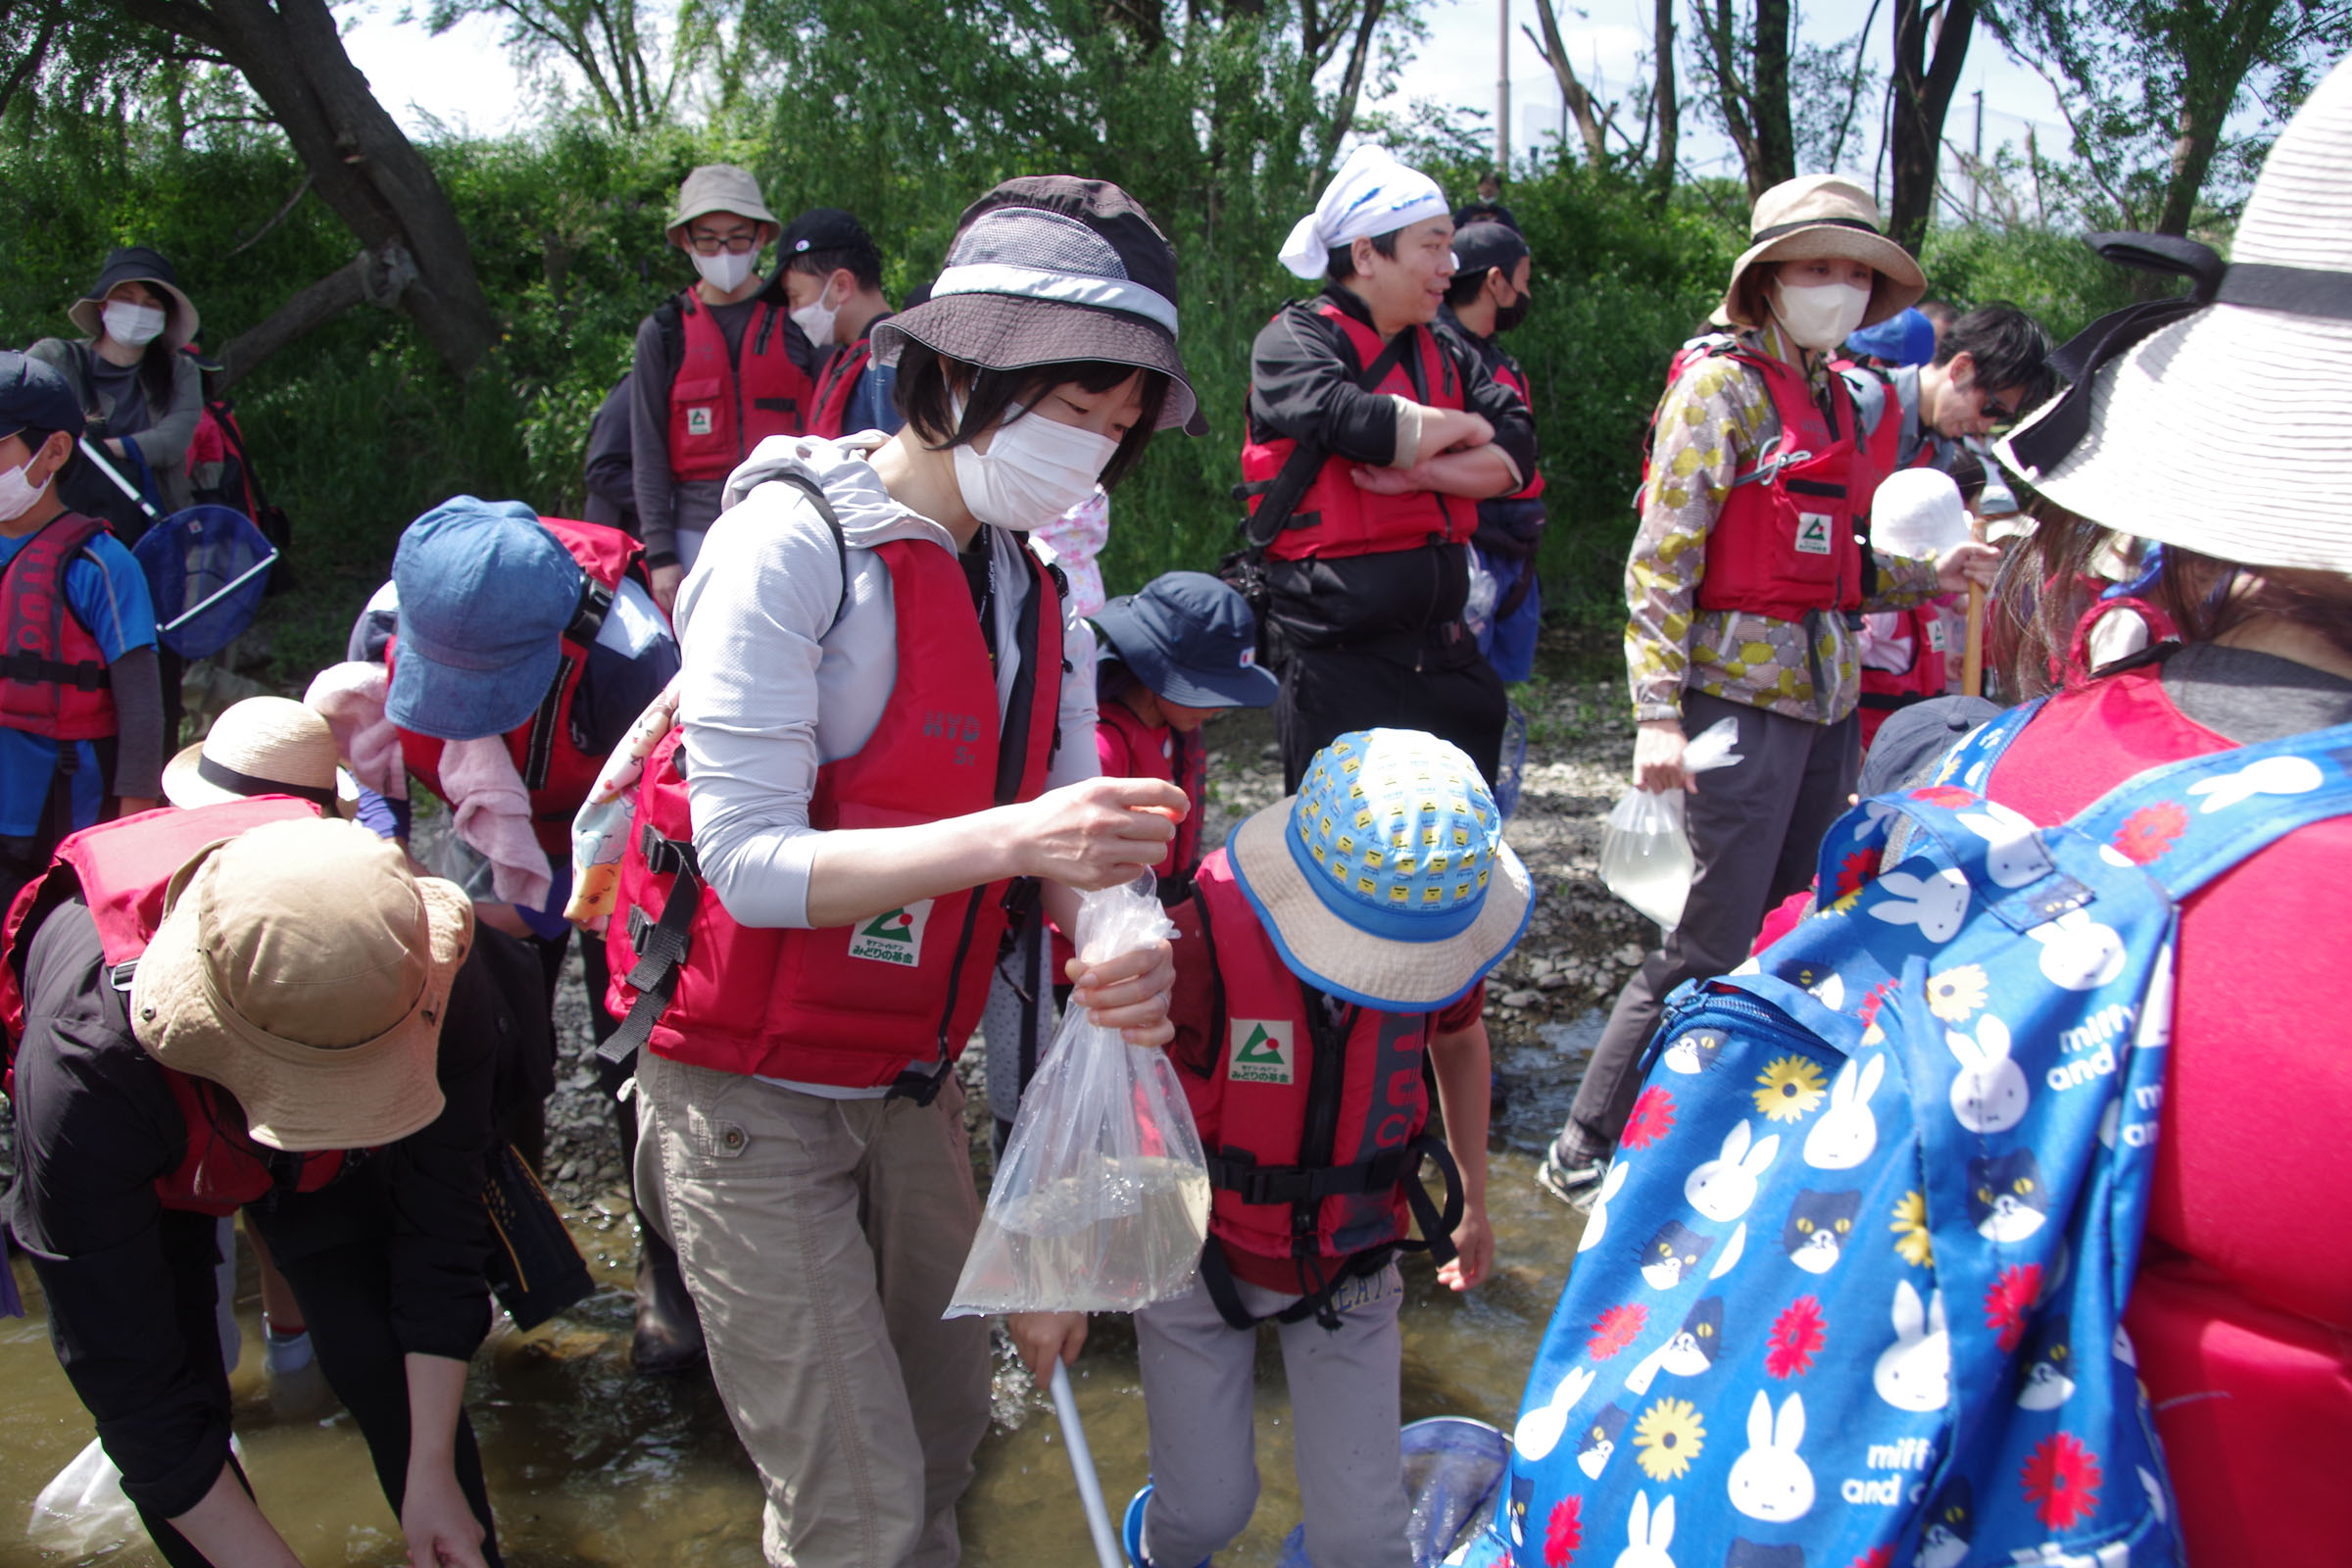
<point x="2226" y="428"/>
<point x="1917" y="512"/>
<point x="1817" y="216"/>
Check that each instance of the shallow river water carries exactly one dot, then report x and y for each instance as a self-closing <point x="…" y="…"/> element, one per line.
<point x="591" y="1465"/>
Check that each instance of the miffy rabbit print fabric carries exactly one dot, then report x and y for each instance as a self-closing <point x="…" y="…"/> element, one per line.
<point x="1939" y="1092"/>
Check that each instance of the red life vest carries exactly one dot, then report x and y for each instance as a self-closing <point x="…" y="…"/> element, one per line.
<point x="1336" y="517"/>
<point x="721" y="404"/>
<point x="833" y="389"/>
<point x="1508" y="372"/>
<point x="551" y="765"/>
<point x="1132" y="748"/>
<point x="1313" y="1143"/>
<point x="122" y="870"/>
<point x="852" y="1005"/>
<point x="1784" y="543"/>
<point x="1886" y="690"/>
<point x="53" y="678"/>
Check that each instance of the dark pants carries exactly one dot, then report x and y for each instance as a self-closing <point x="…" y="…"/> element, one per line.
<point x="346" y="1297"/>
<point x="1327" y="692"/>
<point x="1755" y="833"/>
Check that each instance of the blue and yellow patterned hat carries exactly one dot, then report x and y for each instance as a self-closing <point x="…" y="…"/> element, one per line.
<point x="1385" y="879"/>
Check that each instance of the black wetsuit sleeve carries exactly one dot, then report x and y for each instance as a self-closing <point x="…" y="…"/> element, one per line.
<point x="1303" y="388"/>
<point x="136" y="683"/>
<point x="96" y="1126"/>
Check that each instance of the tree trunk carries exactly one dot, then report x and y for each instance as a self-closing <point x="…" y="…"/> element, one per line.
<point x="1573" y="92"/>
<point x="2209" y="89"/>
<point x="292" y="56"/>
<point x="1662" y="99"/>
<point x="1775" y="156"/>
<point x="1923" y="95"/>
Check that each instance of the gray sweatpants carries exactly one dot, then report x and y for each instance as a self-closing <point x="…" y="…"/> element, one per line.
<point x="1197" y="1373"/>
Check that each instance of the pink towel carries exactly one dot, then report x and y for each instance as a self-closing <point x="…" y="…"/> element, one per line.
<point x="494" y="817"/>
<point x="350" y="697"/>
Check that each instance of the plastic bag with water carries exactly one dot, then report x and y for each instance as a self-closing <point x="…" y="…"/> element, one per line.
<point x="1644" y="851"/>
<point x="1100" y="1201"/>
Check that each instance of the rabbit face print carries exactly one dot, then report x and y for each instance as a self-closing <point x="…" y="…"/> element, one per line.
<point x="1599" y="1441"/>
<point x="1934" y="904"/>
<point x="2006" y="1201"/>
<point x="1915" y="1372"/>
<point x="2046" y="1380"/>
<point x="1673" y="1253"/>
<point x="2078" y="952"/>
<point x="1771" y="1480"/>
<point x="1951" y="1524"/>
<point x="1846" y="1134"/>
<point x="2013" y="855"/>
<point x="1721" y="1189"/>
<point x="1990" y="1094"/>
<point x="1541" y="1429"/>
<point x="1695" y="1051"/>
<point x="1819" y="1226"/>
<point x="1647" y="1534"/>
<point x="1597" y="1225"/>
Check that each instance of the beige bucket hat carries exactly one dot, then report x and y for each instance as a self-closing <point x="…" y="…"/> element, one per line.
<point x="302" y="968"/>
<point x="261" y="746"/>
<point x="1822" y="215"/>
<point x="719" y="188"/>
<point x="2215" y="421"/>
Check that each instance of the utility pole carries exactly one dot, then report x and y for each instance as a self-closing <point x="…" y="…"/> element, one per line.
<point x="1975" y="169"/>
<point x="1502" y="91"/>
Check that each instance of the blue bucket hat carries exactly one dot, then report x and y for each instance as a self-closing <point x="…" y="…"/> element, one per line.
<point x="1385" y="880"/>
<point x="1906" y="337"/>
<point x="35" y="397"/>
<point x="1192" y="640"/>
<point x="485" y="595"/>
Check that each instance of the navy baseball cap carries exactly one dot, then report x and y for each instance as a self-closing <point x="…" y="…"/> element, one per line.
<point x="35" y="397"/>
<point x="485" y="595"/>
<point x="1478" y="247"/>
<point x="1192" y="640"/>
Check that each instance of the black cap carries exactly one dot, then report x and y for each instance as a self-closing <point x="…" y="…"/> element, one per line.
<point x="1915" y="736"/>
<point x="35" y="397"/>
<point x="1192" y="640"/>
<point x="1477" y="247"/>
<point x="823" y="229"/>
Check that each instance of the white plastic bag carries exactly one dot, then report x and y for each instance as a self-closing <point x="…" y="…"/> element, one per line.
<point x="1102" y="1199"/>
<point x="82" y="1510"/>
<point x="1645" y="853"/>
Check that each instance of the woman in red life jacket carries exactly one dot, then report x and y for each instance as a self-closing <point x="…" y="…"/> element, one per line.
<point x="244" y="1006"/>
<point x="874" y="744"/>
<point x="1742" y="575"/>
<point x="1338" y="942"/>
<point x="1906" y="653"/>
<point x="1175" y="655"/>
<point x="2211" y="430"/>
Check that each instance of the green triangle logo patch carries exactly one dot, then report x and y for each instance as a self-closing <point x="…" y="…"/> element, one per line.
<point x="1261" y="1052"/>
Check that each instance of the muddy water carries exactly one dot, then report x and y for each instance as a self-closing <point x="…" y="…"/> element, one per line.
<point x="589" y="1465"/>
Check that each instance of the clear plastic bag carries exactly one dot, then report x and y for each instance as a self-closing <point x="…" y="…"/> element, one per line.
<point x="1100" y="1201"/>
<point x="82" y="1510"/>
<point x="1644" y="851"/>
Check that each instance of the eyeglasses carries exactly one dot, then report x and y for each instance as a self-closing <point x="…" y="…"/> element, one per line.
<point x="735" y="244"/>
<point x="1991" y="407"/>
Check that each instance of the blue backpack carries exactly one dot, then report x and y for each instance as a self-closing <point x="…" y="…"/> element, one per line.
<point x="1853" y="1296"/>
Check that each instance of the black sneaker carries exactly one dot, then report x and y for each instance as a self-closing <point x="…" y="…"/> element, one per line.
<point x="1578" y="1185"/>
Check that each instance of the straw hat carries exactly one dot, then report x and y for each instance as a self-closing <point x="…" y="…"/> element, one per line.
<point x="302" y="968"/>
<point x="1822" y="215"/>
<point x="2216" y="421"/>
<point x="261" y="746"/>
<point x="1385" y="880"/>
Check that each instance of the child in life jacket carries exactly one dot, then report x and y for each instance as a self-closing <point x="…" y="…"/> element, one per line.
<point x="1906" y="653"/>
<point x="1339" y="937"/>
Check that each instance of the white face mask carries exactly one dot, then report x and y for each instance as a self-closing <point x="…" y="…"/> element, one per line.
<point x="1034" y="469"/>
<point x="17" y="493"/>
<point x="726" y="270"/>
<point x="817" y="317"/>
<point x="1820" y="315"/>
<point x="131" y="325"/>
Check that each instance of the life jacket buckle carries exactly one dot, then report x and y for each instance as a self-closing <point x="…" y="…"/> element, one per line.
<point x="1766" y="471"/>
<point x="120" y="975"/>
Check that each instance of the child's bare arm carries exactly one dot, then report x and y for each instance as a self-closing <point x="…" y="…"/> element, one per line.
<point x="1464" y="1083"/>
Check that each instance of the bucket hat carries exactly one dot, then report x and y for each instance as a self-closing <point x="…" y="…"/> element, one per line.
<point x="301" y="967"/>
<point x="1385" y="880"/>
<point x="1917" y="512"/>
<point x="1192" y="640"/>
<point x="1822" y="215"/>
<point x="2214" y="420"/>
<point x="35" y="397"/>
<point x="1050" y="269"/>
<point x="261" y="746"/>
<point x="1907" y="337"/>
<point x="137" y="263"/>
<point x="717" y="188"/>
<point x="485" y="594"/>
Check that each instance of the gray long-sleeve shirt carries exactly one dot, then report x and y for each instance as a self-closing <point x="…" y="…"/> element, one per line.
<point x="161" y="431"/>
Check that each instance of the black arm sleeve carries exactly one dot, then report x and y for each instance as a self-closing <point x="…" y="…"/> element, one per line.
<point x="1300" y="386"/>
<point x="138" y="691"/>
<point x="95" y="1127"/>
<point x="1482" y="394"/>
<point x="649" y="442"/>
<point x="609" y="448"/>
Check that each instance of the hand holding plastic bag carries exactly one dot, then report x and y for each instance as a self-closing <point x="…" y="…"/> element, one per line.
<point x="1100" y="1201"/>
<point x="1644" y="851"/>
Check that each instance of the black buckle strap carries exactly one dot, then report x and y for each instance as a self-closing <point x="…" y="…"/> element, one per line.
<point x="1235" y="1171"/>
<point x="660" y="949"/>
<point x="541" y="751"/>
<point x="920" y="1087"/>
<point x="588" y="616"/>
<point x="34" y="670"/>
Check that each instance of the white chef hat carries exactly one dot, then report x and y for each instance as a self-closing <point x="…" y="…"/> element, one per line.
<point x="1372" y="194"/>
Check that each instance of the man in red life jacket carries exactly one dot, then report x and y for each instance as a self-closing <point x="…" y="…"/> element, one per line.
<point x="1370" y="440"/>
<point x="1488" y="297"/>
<point x="538" y="637"/>
<point x="243" y="1006"/>
<point x="1335" y="947"/>
<point x="1744" y="573"/>
<point x="832" y="277"/>
<point x="81" y="725"/>
<point x="719" y="369"/>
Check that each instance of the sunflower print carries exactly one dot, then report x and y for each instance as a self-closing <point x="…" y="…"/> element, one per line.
<point x="1791" y="1089"/>
<point x="1910" y="1229"/>
<point x="1669" y="1435"/>
<point x="1957" y="994"/>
